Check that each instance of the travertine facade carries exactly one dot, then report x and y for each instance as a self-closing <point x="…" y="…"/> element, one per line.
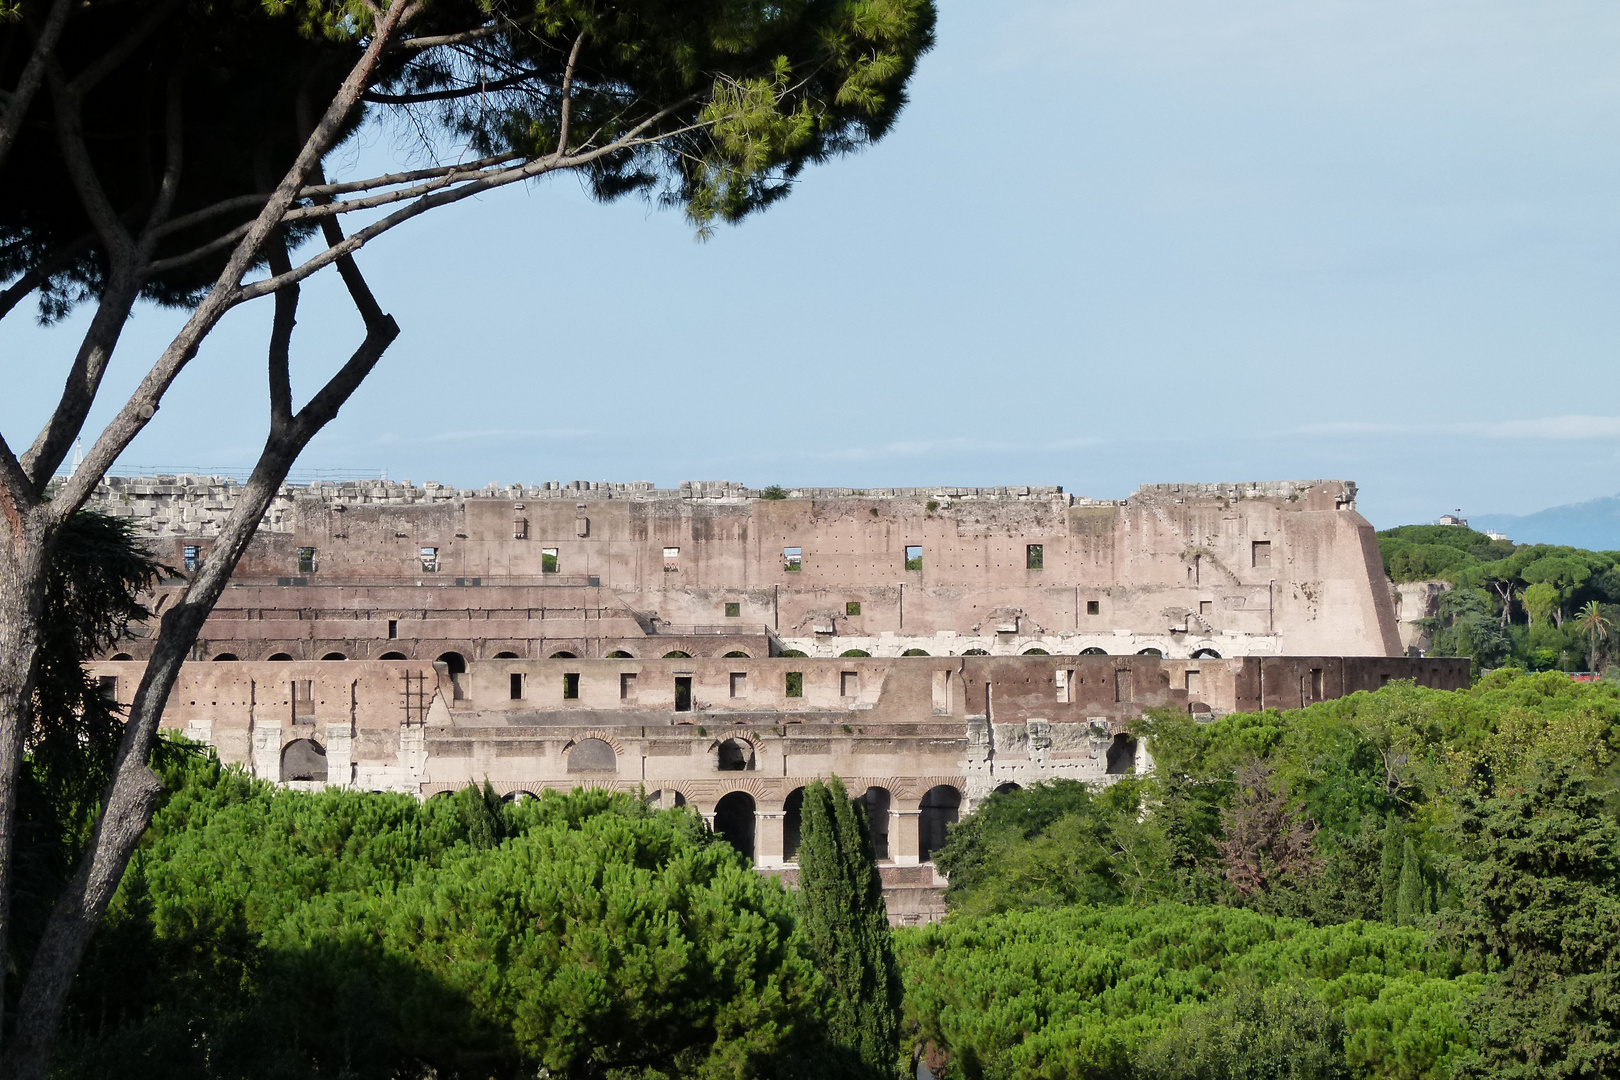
<point x="719" y="649"/>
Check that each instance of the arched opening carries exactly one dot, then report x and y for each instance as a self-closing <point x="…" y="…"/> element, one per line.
<point x="677" y="655"/>
<point x="1093" y="651"/>
<point x="303" y="759"/>
<point x="1037" y="651"/>
<point x="976" y="652"/>
<point x="592" y="755"/>
<point x="278" y="656"/>
<point x="221" y="656"/>
<point x="914" y="652"/>
<point x="792" y="654"/>
<point x="735" y="654"/>
<point x="454" y="662"/>
<point x="735" y="755"/>
<point x="619" y="654"/>
<point x="334" y="656"/>
<point x="940" y="806"/>
<point x="517" y="796"/>
<point x="1006" y="789"/>
<point x="734" y="820"/>
<point x="122" y="656"/>
<point x="1206" y="654"/>
<point x="855" y="652"/>
<point x="665" y="800"/>
<point x="792" y="818"/>
<point x="393" y="656"/>
<point x="1151" y="652"/>
<point x="563" y="654"/>
<point x="507" y="656"/>
<point x="1122" y="755"/>
<point x="876" y="803"/>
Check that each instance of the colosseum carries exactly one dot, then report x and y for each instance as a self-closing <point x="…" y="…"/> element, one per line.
<point x="718" y="647"/>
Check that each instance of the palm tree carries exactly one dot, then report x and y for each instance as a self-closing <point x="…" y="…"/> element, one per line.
<point x="1591" y="622"/>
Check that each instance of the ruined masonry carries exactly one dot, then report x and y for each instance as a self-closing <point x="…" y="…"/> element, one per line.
<point x="718" y="647"/>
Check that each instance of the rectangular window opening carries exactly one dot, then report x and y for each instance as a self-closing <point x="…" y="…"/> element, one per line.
<point x="849" y="683"/>
<point x="672" y="559"/>
<point x="430" y="560"/>
<point x="1034" y="557"/>
<point x="520" y="528"/>
<point x="1093" y="607"/>
<point x="571" y="686"/>
<point x="733" y="609"/>
<point x="1195" y="681"/>
<point x="683" y="693"/>
<point x="517" y="686"/>
<point x="627" y="685"/>
<point x="1260" y="552"/>
<point x="1065" y="685"/>
<point x="107" y="688"/>
<point x="1124" y="688"/>
<point x="913" y="556"/>
<point x="792" y="559"/>
<point x="393" y="628"/>
<point x="739" y="684"/>
<point x="853" y="607"/>
<point x="303" y="699"/>
<point x="191" y="556"/>
<point x="1206" y="608"/>
<point x="794" y="684"/>
<point x="1316" y="684"/>
<point x="548" y="561"/>
<point x="306" y="560"/>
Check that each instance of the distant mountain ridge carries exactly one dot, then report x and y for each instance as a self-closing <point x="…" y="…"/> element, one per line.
<point x="1594" y="524"/>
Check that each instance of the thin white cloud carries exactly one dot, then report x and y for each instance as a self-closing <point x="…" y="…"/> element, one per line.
<point x="1569" y="428"/>
<point x="488" y="433"/>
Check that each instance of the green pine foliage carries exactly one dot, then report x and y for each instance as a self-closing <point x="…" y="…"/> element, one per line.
<point x="1394" y="857"/>
<point x="1283" y="1032"/>
<point x="1412" y="899"/>
<point x="846" y="934"/>
<point x="1539" y="872"/>
<point x="268" y="934"/>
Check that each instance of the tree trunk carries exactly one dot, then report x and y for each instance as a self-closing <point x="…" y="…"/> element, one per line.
<point x="23" y="559"/>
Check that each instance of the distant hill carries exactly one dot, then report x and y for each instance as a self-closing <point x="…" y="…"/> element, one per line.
<point x="1594" y="525"/>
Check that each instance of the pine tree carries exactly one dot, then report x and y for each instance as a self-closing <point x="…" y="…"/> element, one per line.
<point x="1390" y="872"/>
<point x="1411" y="902"/>
<point x="846" y="929"/>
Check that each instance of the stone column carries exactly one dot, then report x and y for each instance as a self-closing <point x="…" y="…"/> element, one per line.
<point x="905" y="843"/>
<point x="339" y="755"/>
<point x="768" y="837"/>
<point x="267" y="752"/>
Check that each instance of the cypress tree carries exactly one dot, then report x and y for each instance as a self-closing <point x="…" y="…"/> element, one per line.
<point x="1390" y="872"/>
<point x="846" y="929"/>
<point x="1411" y="903"/>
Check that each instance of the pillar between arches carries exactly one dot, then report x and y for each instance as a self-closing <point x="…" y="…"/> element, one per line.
<point x="768" y="838"/>
<point x="905" y="841"/>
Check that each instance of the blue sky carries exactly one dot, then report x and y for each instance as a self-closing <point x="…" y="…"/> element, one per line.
<point x="1110" y="242"/>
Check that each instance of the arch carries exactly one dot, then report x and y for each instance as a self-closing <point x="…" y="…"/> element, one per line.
<point x="303" y="759"/>
<point x="619" y="654"/>
<point x="793" y="654"/>
<point x="507" y="656"/>
<point x="855" y="653"/>
<point x="1151" y="652"/>
<point x="592" y="755"/>
<point x="1092" y="650"/>
<point x="655" y="799"/>
<point x="1007" y="789"/>
<point x="517" y="796"/>
<point x="455" y="662"/>
<point x="122" y="656"/>
<point x="563" y="654"/>
<point x="940" y="808"/>
<point x="278" y="656"/>
<point x="220" y="657"/>
<point x="334" y="656"/>
<point x="915" y="652"/>
<point x="876" y="802"/>
<point x="393" y="656"/>
<point x="1122" y="755"/>
<point x="792" y="820"/>
<point x="677" y="654"/>
<point x="734" y="755"/>
<point x="976" y="652"/>
<point x="1206" y="654"/>
<point x="1036" y="651"/>
<point x="735" y="654"/>
<point x="734" y="820"/>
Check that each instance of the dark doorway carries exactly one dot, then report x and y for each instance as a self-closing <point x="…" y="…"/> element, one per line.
<point x="734" y="820"/>
<point x="940" y="807"/>
<point x="792" y="817"/>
